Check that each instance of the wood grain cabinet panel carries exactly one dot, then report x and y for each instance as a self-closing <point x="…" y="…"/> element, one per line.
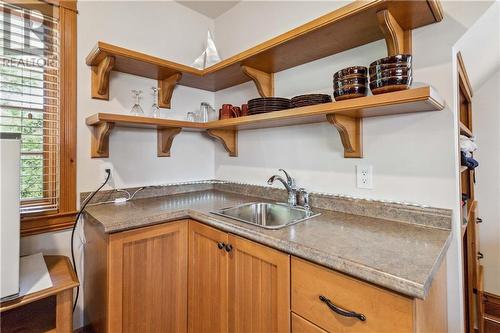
<point x="148" y="279"/>
<point x="207" y="295"/>
<point x="384" y="311"/>
<point x="300" y="325"/>
<point x="259" y="288"/>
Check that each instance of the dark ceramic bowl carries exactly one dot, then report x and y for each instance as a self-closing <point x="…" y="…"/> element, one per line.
<point x="348" y="92"/>
<point x="388" y="84"/>
<point x="380" y="68"/>
<point x="350" y="72"/>
<point x="395" y="59"/>
<point x="396" y="71"/>
<point x="363" y="81"/>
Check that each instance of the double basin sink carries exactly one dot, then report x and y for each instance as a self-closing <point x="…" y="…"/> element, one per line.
<point x="267" y="215"/>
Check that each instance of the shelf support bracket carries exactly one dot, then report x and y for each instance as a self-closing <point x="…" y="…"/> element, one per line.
<point x="264" y="81"/>
<point x="100" y="140"/>
<point x="350" y="130"/>
<point x="397" y="39"/>
<point x="165" y="138"/>
<point x="166" y="89"/>
<point x="228" y="138"/>
<point x="100" y="78"/>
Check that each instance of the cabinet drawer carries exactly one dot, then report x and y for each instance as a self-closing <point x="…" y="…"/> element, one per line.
<point x="384" y="311"/>
<point x="300" y="325"/>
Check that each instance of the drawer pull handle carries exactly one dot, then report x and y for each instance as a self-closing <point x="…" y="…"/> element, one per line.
<point x="480" y="255"/>
<point x="220" y="245"/>
<point x="229" y="247"/>
<point x="341" y="311"/>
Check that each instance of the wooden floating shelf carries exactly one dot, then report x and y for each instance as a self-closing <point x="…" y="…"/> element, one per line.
<point x="345" y="115"/>
<point x="464" y="130"/>
<point x="353" y="25"/>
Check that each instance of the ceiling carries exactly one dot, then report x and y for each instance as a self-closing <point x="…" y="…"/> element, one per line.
<point x="212" y="9"/>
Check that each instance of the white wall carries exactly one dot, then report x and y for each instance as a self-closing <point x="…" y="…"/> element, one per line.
<point x="480" y="49"/>
<point x="486" y="125"/>
<point x="164" y="29"/>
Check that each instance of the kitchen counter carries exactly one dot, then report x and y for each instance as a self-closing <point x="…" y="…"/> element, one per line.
<point x="402" y="257"/>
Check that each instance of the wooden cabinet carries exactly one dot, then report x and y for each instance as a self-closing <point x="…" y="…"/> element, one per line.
<point x="138" y="279"/>
<point x="336" y="302"/>
<point x="236" y="284"/>
<point x="208" y="301"/>
<point x="259" y="288"/>
<point x="185" y="276"/>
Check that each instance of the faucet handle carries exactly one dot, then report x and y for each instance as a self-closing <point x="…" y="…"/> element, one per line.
<point x="303" y="197"/>
<point x="289" y="179"/>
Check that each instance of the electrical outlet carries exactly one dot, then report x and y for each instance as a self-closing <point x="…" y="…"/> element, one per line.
<point x="103" y="167"/>
<point x="364" y="176"/>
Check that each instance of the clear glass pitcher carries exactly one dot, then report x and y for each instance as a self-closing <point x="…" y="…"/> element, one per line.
<point x="206" y="113"/>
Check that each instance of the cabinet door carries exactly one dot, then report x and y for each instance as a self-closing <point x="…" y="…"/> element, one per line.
<point x="207" y="309"/>
<point x="259" y="288"/>
<point x="148" y="279"/>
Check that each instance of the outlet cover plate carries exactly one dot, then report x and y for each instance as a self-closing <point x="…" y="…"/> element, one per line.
<point x="364" y="176"/>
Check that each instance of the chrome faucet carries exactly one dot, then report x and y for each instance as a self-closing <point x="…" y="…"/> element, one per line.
<point x="289" y="184"/>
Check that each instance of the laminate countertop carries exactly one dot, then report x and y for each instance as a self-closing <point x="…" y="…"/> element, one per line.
<point x="402" y="257"/>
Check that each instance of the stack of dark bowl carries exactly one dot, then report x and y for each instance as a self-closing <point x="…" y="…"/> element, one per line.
<point x="310" y="99"/>
<point x="267" y="104"/>
<point x="351" y="82"/>
<point x="390" y="74"/>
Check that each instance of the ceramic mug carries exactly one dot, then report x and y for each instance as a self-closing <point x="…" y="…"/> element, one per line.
<point x="244" y="110"/>
<point x="228" y="111"/>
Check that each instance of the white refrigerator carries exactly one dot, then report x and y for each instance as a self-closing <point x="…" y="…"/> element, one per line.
<point x="10" y="160"/>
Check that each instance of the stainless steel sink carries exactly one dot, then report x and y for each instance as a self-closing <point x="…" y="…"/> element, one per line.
<point x="267" y="215"/>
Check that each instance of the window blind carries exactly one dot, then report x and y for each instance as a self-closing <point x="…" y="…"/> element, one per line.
<point x="29" y="100"/>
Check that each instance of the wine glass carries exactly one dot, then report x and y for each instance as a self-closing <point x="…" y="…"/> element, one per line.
<point x="155" y="110"/>
<point x="136" y="109"/>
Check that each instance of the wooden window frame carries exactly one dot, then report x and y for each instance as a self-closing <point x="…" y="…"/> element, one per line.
<point x="64" y="216"/>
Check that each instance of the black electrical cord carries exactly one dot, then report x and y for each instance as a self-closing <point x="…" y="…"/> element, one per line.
<point x="108" y="171"/>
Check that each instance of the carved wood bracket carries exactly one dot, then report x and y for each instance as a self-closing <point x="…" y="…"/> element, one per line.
<point x="398" y="40"/>
<point x="100" y="140"/>
<point x="165" y="138"/>
<point x="100" y="78"/>
<point x="166" y="89"/>
<point x="229" y="139"/>
<point x="350" y="130"/>
<point x="264" y="81"/>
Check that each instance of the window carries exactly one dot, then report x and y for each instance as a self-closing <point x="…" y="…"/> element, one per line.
<point x="29" y="100"/>
<point x="38" y="51"/>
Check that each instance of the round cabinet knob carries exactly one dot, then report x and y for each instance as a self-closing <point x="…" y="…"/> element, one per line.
<point x="229" y="247"/>
<point x="220" y="245"/>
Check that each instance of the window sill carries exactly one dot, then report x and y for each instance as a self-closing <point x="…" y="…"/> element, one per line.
<point x="32" y="225"/>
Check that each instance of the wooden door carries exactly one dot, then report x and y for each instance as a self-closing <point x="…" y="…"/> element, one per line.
<point x="259" y="288"/>
<point x="147" y="279"/>
<point x="207" y="293"/>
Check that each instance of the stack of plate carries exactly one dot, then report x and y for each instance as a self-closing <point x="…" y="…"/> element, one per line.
<point x="267" y="104"/>
<point x="351" y="82"/>
<point x="390" y="74"/>
<point x="310" y="99"/>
